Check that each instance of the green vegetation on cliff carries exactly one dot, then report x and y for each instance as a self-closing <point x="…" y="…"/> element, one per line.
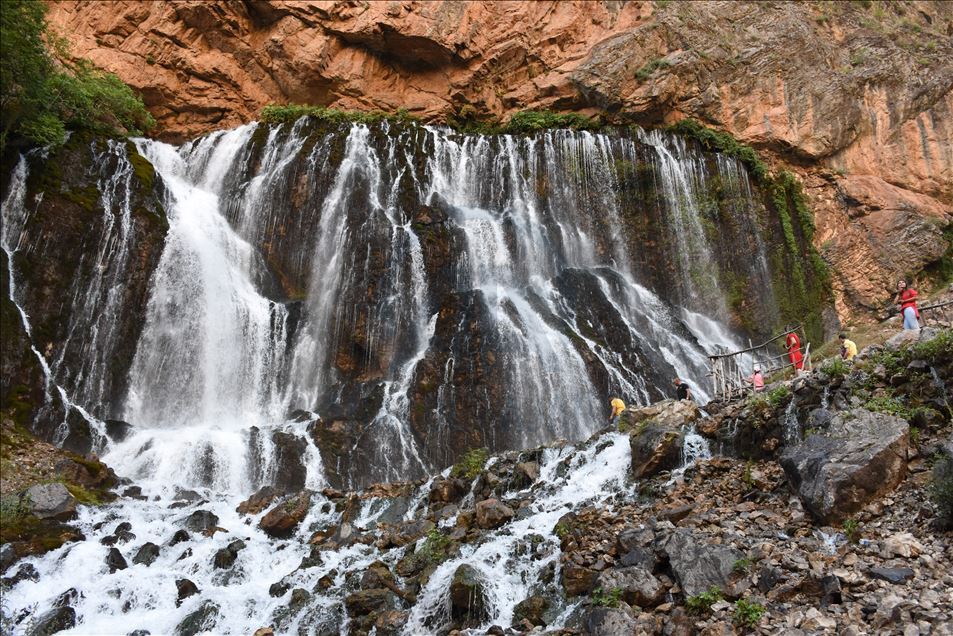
<point x="44" y="92"/>
<point x="290" y="113"/>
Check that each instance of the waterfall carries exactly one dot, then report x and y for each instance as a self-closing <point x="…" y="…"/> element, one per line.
<point x="428" y="291"/>
<point x="344" y="304"/>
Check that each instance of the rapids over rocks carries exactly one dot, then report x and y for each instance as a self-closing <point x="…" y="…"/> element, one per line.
<point x="343" y="305"/>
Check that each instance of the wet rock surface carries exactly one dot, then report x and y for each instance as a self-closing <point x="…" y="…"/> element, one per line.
<point x="861" y="457"/>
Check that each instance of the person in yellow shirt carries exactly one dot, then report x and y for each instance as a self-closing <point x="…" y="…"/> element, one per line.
<point x="617" y="407"/>
<point x="847" y="348"/>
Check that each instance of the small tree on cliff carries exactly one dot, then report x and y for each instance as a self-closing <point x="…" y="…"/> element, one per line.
<point x="44" y="93"/>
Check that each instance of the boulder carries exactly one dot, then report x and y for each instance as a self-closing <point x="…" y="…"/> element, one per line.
<point x="115" y="560"/>
<point x="449" y="490"/>
<point x="201" y="521"/>
<point x="638" y="586"/>
<point x="364" y="602"/>
<point x="526" y="473"/>
<point x="282" y="520"/>
<point x="532" y="610"/>
<point x="225" y="558"/>
<point x="666" y="413"/>
<point x="491" y="513"/>
<point x="390" y="623"/>
<point x="8" y="557"/>
<point x="53" y="621"/>
<point x="467" y="597"/>
<point x="861" y="458"/>
<point x="148" y="553"/>
<point x="905" y="337"/>
<point x="201" y="620"/>
<point x="655" y="448"/>
<point x="51" y="501"/>
<point x="892" y="575"/>
<point x="578" y="580"/>
<point x="184" y="589"/>
<point x="699" y="565"/>
<point x="606" y="621"/>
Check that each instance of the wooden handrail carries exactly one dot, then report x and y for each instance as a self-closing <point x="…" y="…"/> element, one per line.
<point x="760" y="346"/>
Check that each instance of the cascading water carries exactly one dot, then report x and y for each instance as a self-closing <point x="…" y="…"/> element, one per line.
<point x="419" y="290"/>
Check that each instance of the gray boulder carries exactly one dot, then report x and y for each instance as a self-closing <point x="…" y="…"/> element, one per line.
<point x="53" y="621"/>
<point x="605" y="621"/>
<point x="52" y="501"/>
<point x="467" y="598"/>
<point x="201" y="521"/>
<point x="148" y="553"/>
<point x="699" y="565"/>
<point x="201" y="620"/>
<point x="655" y="448"/>
<point x="861" y="457"/>
<point x="491" y="513"/>
<point x="638" y="586"/>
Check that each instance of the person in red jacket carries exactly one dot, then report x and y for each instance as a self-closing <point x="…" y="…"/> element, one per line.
<point x="906" y="298"/>
<point x="793" y="344"/>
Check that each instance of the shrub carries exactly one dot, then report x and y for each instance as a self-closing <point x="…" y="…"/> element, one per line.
<point x="937" y="349"/>
<point x="290" y="113"/>
<point x="835" y="367"/>
<point x="470" y="464"/>
<point x="747" y="614"/>
<point x="44" y="92"/>
<point x="779" y="395"/>
<point x="610" y="598"/>
<point x="701" y="603"/>
<point x="435" y="547"/>
<point x="941" y="492"/>
<point x="889" y="405"/>
<point x="741" y="565"/>
<point x="724" y="143"/>
<point x="530" y="121"/>
<point x="650" y="67"/>
<point x="852" y="530"/>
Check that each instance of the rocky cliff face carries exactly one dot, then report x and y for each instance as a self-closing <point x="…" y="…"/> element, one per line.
<point x="855" y="96"/>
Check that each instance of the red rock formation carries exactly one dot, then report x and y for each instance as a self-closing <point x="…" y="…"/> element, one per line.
<point x="857" y="99"/>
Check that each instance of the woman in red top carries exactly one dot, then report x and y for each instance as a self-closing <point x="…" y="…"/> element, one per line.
<point x="907" y="299"/>
<point x="793" y="344"/>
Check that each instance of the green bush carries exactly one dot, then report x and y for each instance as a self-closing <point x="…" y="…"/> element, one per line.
<point x="530" y="121"/>
<point x="290" y="113"/>
<point x="610" y="598"/>
<point x="852" y="530"/>
<point x="701" y="603"/>
<point x="724" y="143"/>
<point x="44" y="92"/>
<point x="941" y="492"/>
<point x="471" y="464"/>
<point x="889" y="405"/>
<point x="835" y="367"/>
<point x="650" y="67"/>
<point x="747" y="614"/>
<point x="779" y="395"/>
<point x="938" y="349"/>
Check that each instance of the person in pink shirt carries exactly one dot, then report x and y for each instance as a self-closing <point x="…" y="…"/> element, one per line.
<point x="756" y="379"/>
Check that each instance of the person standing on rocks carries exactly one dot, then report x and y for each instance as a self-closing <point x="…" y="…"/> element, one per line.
<point x="793" y="344"/>
<point x="682" y="390"/>
<point x="847" y="348"/>
<point x="756" y="379"/>
<point x="618" y="406"/>
<point x="906" y="298"/>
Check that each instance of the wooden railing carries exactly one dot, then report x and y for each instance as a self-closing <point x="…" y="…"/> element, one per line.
<point x="729" y="371"/>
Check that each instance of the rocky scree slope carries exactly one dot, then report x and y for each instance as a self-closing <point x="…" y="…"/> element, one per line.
<point x="731" y="544"/>
<point x="855" y="96"/>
